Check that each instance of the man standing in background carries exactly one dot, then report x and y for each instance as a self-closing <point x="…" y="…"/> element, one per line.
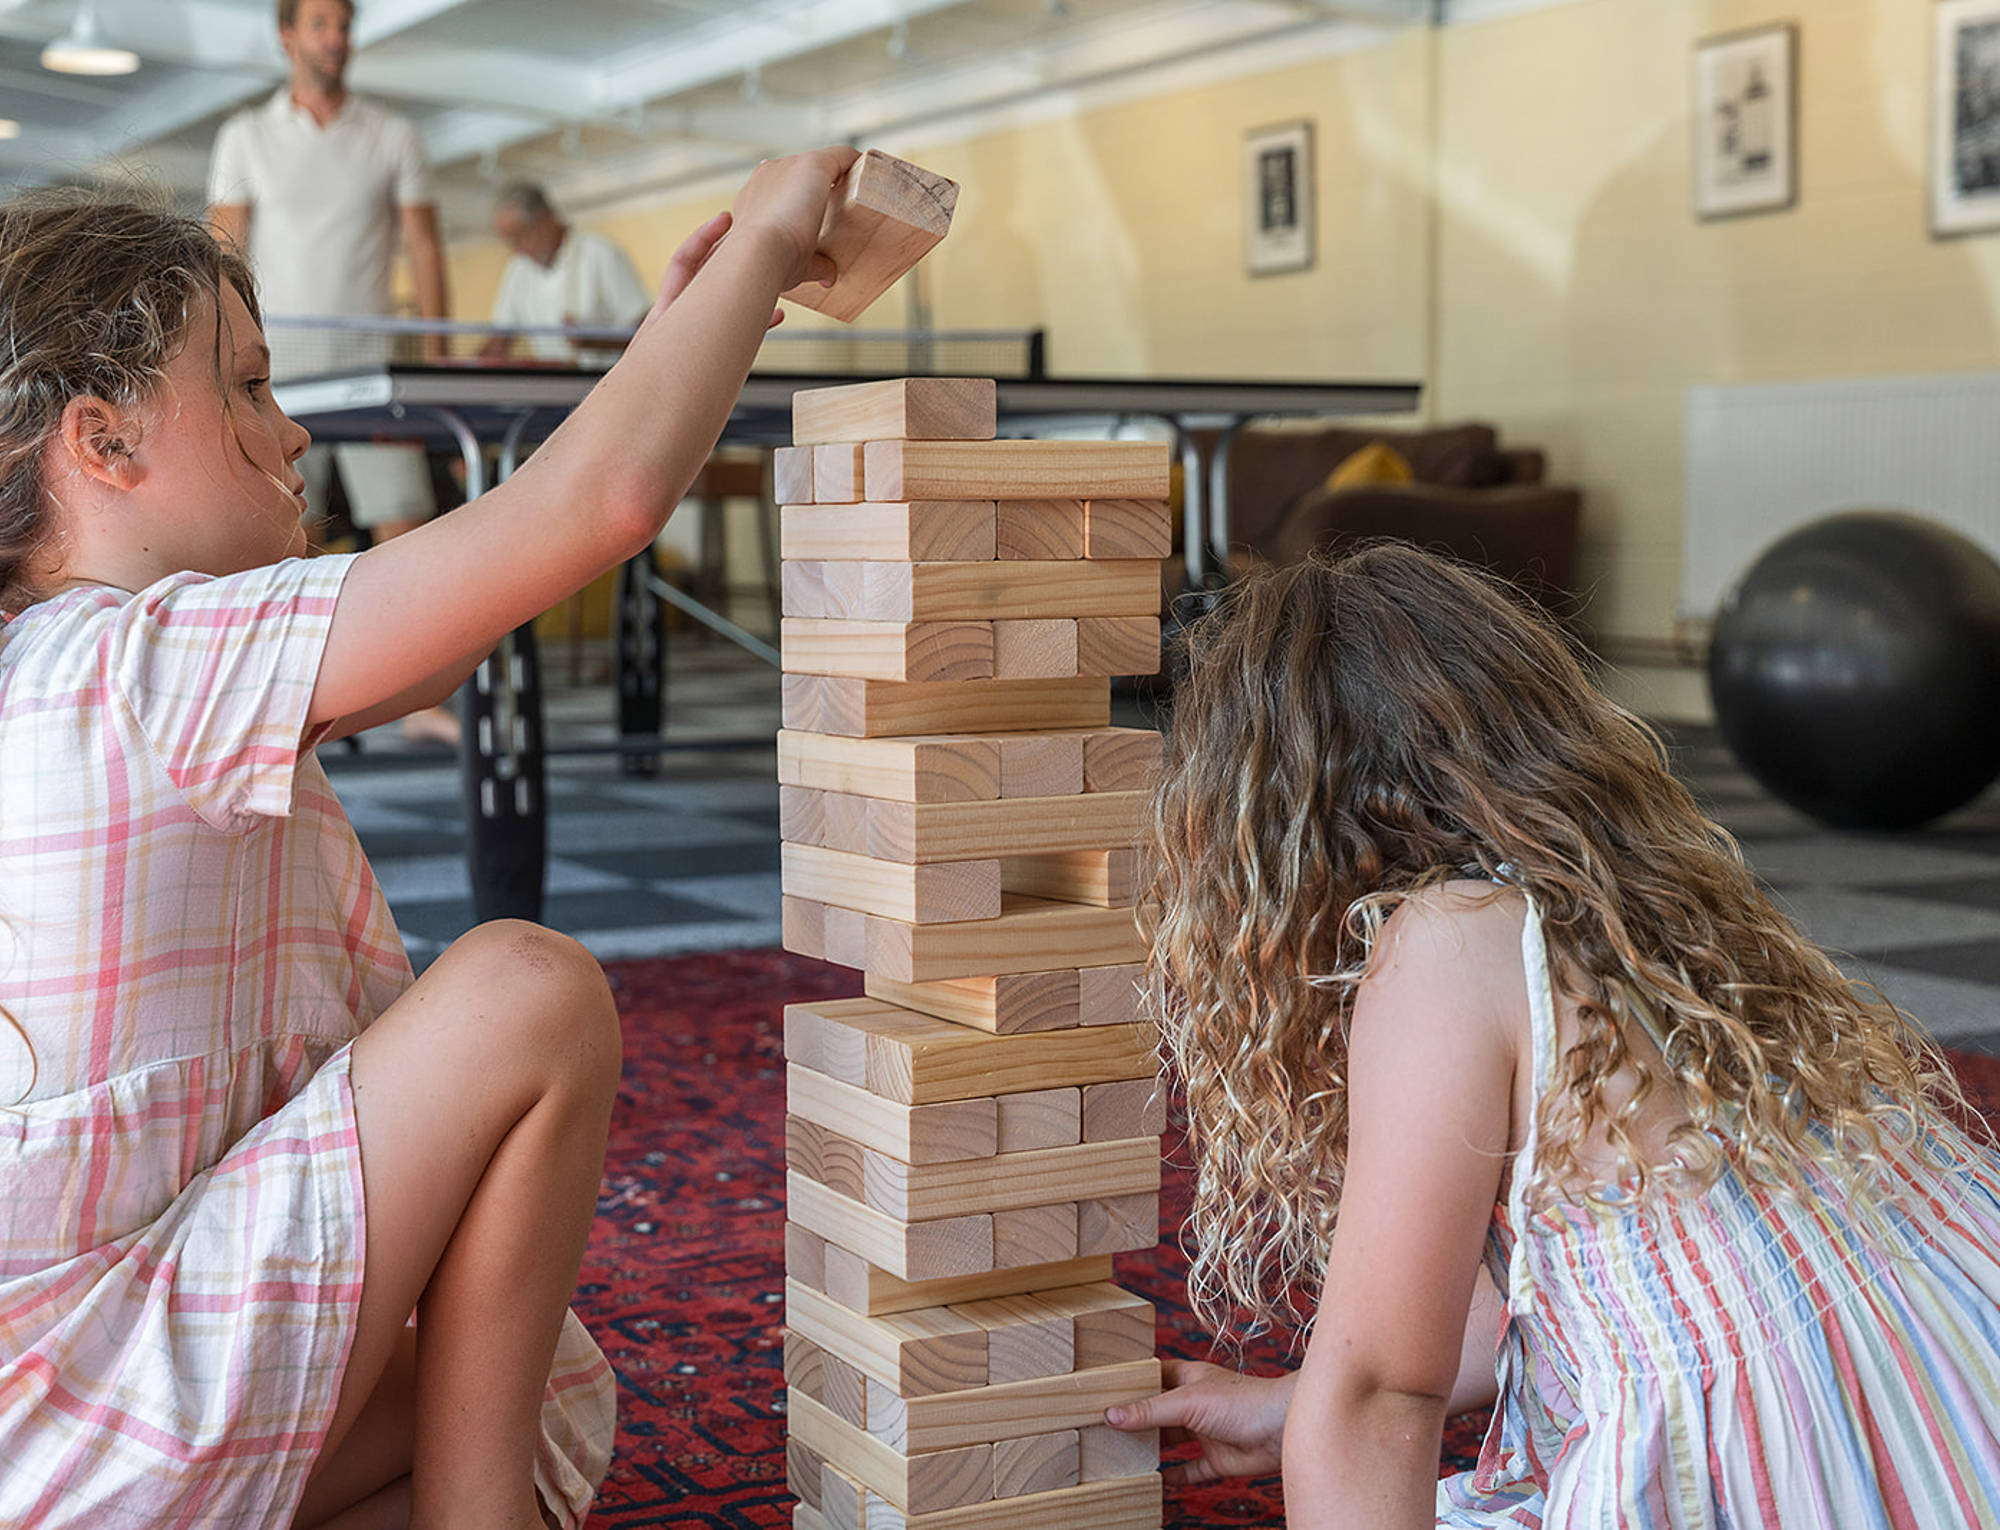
<point x="315" y="185"/>
<point x="560" y="275"/>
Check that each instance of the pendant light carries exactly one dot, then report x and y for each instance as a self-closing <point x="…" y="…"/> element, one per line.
<point x="82" y="50"/>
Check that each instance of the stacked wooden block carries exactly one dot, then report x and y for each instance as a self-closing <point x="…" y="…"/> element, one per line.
<point x="971" y="1142"/>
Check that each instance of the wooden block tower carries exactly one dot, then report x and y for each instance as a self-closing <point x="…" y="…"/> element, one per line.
<point x="970" y="1143"/>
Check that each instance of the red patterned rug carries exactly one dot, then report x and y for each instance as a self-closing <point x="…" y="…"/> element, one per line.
<point x="683" y="1281"/>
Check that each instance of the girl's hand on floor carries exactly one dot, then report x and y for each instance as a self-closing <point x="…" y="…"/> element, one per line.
<point x="1238" y="1420"/>
<point x="788" y="197"/>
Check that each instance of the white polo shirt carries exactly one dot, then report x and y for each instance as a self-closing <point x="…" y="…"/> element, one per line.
<point x="590" y="282"/>
<point x="325" y="205"/>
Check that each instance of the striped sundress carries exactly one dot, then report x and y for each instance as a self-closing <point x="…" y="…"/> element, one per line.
<point x="1741" y="1358"/>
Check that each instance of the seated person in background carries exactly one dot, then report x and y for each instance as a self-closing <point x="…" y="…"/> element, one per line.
<point x="560" y="275"/>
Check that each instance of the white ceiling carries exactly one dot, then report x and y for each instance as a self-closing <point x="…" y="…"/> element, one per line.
<point x="604" y="98"/>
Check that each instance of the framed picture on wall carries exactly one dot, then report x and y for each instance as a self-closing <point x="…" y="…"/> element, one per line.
<point x="1278" y="198"/>
<point x="1746" y="149"/>
<point x="1965" y="117"/>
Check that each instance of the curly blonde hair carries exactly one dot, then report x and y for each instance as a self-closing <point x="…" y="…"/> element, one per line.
<point x="1351" y="731"/>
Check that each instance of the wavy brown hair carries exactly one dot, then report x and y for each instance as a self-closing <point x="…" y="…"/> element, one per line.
<point x="1351" y="731"/>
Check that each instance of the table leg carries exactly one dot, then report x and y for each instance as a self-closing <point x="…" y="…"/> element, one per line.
<point x="642" y="662"/>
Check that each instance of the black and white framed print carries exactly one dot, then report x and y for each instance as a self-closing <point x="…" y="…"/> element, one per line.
<point x="1278" y="198"/>
<point x="1965" y="117"/>
<point x="1746" y="157"/>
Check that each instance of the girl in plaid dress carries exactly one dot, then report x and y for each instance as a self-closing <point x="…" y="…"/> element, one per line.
<point x="239" y="1145"/>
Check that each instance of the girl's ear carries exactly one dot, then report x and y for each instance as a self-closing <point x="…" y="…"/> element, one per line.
<point x="99" y="439"/>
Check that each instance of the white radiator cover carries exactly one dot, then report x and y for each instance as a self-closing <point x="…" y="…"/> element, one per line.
<point x="1762" y="460"/>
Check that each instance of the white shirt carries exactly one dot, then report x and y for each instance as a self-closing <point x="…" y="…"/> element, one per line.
<point x="590" y="282"/>
<point x="325" y="204"/>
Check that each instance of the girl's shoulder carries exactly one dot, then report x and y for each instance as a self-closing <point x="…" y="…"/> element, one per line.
<point x="1455" y="944"/>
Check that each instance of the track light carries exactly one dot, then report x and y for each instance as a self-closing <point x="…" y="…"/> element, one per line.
<point x="82" y="49"/>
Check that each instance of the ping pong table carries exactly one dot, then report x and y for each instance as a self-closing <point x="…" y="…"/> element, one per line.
<point x="508" y="409"/>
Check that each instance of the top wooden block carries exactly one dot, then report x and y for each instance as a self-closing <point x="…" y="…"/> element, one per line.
<point x="900" y="409"/>
<point x="887" y="218"/>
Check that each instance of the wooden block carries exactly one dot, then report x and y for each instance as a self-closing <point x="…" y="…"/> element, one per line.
<point x="805" y="1253"/>
<point x="1118" y="645"/>
<point x="824" y="1156"/>
<point x="1072" y="1400"/>
<point x="805" y="1366"/>
<point x="922" y="1484"/>
<point x="1024" y="1337"/>
<point x="1008" y="1181"/>
<point x="802" y="927"/>
<point x="1039" y="1118"/>
<point x="1030" y="935"/>
<point x="1134" y="1107"/>
<point x="837" y="473"/>
<point x="1103" y="878"/>
<point x="907" y="1250"/>
<point x="1036" y="1463"/>
<point x="846" y="1389"/>
<point x="1117" y="1224"/>
<point x="1005" y="1005"/>
<point x="1110" y="995"/>
<point x="1009" y="824"/>
<point x="901" y="408"/>
<point x="1111" y="1326"/>
<point x="941" y="1133"/>
<point x="1121" y="760"/>
<point x="1016" y="470"/>
<point x="807" y="1517"/>
<point x="888" y="1415"/>
<point x="867" y="1288"/>
<point x="915" y="531"/>
<point x="916" y="1059"/>
<point x="1131" y="1503"/>
<point x="1040" y="764"/>
<point x="792" y="475"/>
<point x="1040" y="649"/>
<point x="912" y="651"/>
<point x="802" y="589"/>
<point x="943" y="769"/>
<point x="886" y="709"/>
<point x="1035" y="1235"/>
<point x="993" y="591"/>
<point x="1127" y="528"/>
<point x="914" y="1353"/>
<point x="847" y="935"/>
<point x="1038" y="530"/>
<point x="1106" y="1454"/>
<point x="801" y="815"/>
<point x="933" y="894"/>
<point x="802" y="1471"/>
<point x="843" y="1501"/>
<point x="884" y="219"/>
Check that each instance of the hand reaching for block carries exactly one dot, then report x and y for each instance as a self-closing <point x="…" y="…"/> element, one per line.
<point x="887" y="217"/>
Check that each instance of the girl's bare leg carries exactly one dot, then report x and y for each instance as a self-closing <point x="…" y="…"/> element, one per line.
<point x="483" y="1097"/>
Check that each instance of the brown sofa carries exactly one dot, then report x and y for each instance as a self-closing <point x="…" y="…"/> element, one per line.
<point x="1472" y="498"/>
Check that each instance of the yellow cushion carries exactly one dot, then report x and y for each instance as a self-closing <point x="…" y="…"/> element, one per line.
<point x="1376" y="463"/>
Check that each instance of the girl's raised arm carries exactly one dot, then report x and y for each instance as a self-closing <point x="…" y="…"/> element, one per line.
<point x="429" y="604"/>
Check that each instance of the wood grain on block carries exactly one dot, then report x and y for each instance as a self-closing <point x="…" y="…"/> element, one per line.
<point x="801" y="815"/>
<point x="1132" y="1503"/>
<point x="1122" y="760"/>
<point x="1031" y="935"/>
<point x="1037" y="1235"/>
<point x="863" y="1287"/>
<point x="1111" y="1326"/>
<point x="1016" y="470"/>
<point x="888" y="1415"/>
<point x="1024" y="1337"/>
<point x="1108" y="1454"/>
<point x="803" y="1466"/>
<point x="899" y="408"/>
<point x="1005" y="825"/>
<point x="824" y="1156"/>
<point x="913" y="531"/>
<point x="933" y="894"/>
<point x="1110" y="995"/>
<point x="805" y="1253"/>
<point x="939" y="1133"/>
<point x="846" y="1389"/>
<point x="942" y="769"/>
<point x="806" y="1517"/>
<point x="1135" y="1107"/>
<point x="1127" y="528"/>
<point x="995" y="591"/>
<point x="920" y="1060"/>
<point x="1104" y="878"/>
<point x="907" y="1250"/>
<point x="1118" y="1224"/>
<point x="843" y="1501"/>
<point x="1005" y="1005"/>
<point x="916" y="1353"/>
<point x="802" y="927"/>
<point x="1118" y="645"/>
<point x="1037" y="1463"/>
<point x="1038" y="530"/>
<point x="804" y="1368"/>
<point x="792" y="475"/>
<point x="1008" y="1181"/>
<point x="837" y="473"/>
<point x="883" y="219"/>
<point x="847" y="935"/>
<point x="917" y="1484"/>
<point x="888" y="709"/>
<point x="912" y="651"/>
<point x="1043" y="648"/>
<point x="802" y="589"/>
<point x="1008" y="1411"/>
<point x="1040" y="764"/>
<point x="1038" y="1118"/>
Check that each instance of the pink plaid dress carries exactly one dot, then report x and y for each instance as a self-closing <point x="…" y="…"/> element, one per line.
<point x="190" y="935"/>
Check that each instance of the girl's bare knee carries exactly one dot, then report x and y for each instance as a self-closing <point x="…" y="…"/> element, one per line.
<point x="556" y="1001"/>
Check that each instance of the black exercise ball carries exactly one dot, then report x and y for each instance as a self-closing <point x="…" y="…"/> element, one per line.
<point x="1855" y="670"/>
